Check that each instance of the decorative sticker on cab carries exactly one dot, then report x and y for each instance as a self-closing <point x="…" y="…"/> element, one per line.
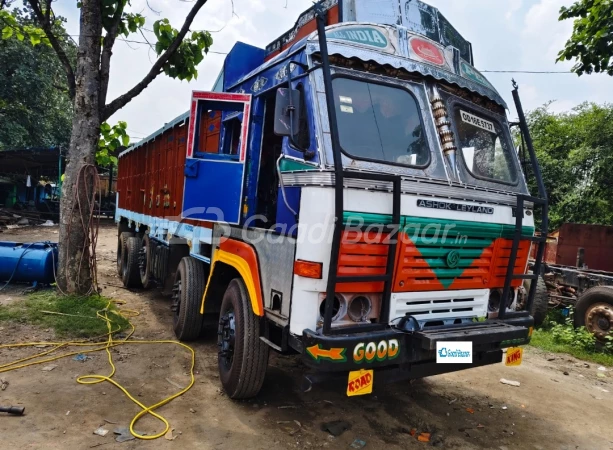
<point x="333" y="354"/>
<point x="371" y="351"/>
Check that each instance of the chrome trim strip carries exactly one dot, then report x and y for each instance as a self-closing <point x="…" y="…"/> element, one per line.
<point x="417" y="186"/>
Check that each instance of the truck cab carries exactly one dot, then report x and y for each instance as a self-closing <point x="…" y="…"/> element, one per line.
<point x="351" y="193"/>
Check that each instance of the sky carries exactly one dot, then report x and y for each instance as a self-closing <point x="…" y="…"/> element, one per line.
<point x="520" y="35"/>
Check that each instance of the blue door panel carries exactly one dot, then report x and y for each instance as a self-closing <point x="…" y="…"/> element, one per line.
<point x="214" y="193"/>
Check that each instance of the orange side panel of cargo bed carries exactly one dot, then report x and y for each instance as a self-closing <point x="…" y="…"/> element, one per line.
<point x="150" y="178"/>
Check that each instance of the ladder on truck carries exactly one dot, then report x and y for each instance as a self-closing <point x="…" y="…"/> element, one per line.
<point x="392" y="229"/>
<point x="541" y="240"/>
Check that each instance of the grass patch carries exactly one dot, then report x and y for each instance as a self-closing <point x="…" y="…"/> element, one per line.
<point x="558" y="335"/>
<point x="545" y="340"/>
<point x="81" y="320"/>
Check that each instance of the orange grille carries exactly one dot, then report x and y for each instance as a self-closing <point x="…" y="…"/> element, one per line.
<point x="362" y="254"/>
<point x="482" y="263"/>
<point x="502" y="250"/>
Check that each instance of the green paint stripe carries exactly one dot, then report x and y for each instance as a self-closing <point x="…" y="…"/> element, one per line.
<point x="433" y="226"/>
<point x="441" y="263"/>
<point x="442" y="252"/>
<point x="290" y="165"/>
<point x="364" y="219"/>
<point x="450" y="242"/>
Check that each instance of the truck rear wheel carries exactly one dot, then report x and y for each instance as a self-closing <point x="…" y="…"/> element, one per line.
<point x="121" y="242"/>
<point x="243" y="357"/>
<point x="130" y="273"/>
<point x="145" y="263"/>
<point x="594" y="311"/>
<point x="187" y="293"/>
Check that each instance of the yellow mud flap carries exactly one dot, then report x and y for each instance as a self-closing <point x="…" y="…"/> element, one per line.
<point x="360" y="382"/>
<point x="514" y="356"/>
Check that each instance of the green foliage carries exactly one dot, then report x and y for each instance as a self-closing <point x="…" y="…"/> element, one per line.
<point x="575" y="151"/>
<point x="182" y="64"/>
<point x="559" y="335"/>
<point x="85" y="324"/>
<point x="566" y="334"/>
<point x="35" y="107"/>
<point x="111" y="138"/>
<point x="129" y="22"/>
<point x="543" y="339"/>
<point x="608" y="345"/>
<point x="12" y="25"/>
<point x="592" y="40"/>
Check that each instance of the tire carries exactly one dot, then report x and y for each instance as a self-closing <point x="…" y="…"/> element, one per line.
<point x="145" y="260"/>
<point x="188" y="290"/>
<point x="540" y="304"/>
<point x="594" y="310"/>
<point x="243" y="357"/>
<point x="130" y="274"/>
<point x="121" y="242"/>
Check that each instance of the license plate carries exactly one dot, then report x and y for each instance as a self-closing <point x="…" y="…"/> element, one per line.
<point x="514" y="356"/>
<point x="360" y="382"/>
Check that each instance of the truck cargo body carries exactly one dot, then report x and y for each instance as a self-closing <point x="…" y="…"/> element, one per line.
<point x="363" y="237"/>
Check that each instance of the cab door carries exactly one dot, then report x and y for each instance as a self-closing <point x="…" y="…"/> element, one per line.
<point x="216" y="156"/>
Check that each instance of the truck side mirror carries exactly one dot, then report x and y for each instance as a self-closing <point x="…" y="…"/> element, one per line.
<point x="287" y="112"/>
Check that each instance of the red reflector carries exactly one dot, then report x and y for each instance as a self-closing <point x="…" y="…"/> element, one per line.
<point x="308" y="269"/>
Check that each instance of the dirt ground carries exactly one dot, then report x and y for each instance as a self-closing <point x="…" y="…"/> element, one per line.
<point x="561" y="404"/>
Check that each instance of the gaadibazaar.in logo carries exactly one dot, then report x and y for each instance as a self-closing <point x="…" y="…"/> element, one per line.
<point x="444" y="353"/>
<point x="454" y="352"/>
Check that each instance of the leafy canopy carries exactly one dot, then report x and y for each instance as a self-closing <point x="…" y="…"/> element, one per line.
<point x="182" y="64"/>
<point x="35" y="107"/>
<point x="111" y="139"/>
<point x="591" y="43"/>
<point x="11" y="23"/>
<point x="575" y="151"/>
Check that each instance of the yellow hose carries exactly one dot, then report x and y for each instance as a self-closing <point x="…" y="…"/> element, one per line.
<point x="106" y="345"/>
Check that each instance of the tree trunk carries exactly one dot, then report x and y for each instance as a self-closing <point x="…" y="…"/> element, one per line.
<point x="74" y="272"/>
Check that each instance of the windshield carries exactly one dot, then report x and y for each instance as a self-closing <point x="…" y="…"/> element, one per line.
<point x="379" y="123"/>
<point x="484" y="147"/>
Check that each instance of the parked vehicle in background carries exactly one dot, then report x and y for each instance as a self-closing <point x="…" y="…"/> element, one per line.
<point x="350" y="193"/>
<point x="578" y="273"/>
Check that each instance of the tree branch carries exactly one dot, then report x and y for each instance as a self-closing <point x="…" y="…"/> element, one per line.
<point x="157" y="68"/>
<point x="45" y="23"/>
<point x="107" y="52"/>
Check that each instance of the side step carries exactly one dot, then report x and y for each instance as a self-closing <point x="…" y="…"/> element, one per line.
<point x="485" y="333"/>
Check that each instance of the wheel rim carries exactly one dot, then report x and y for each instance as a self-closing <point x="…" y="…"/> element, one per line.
<point x="176" y="298"/>
<point x="599" y="319"/>
<point x="227" y="338"/>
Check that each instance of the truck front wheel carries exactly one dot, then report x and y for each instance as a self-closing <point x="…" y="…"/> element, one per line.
<point x="594" y="311"/>
<point x="243" y="357"/>
<point x="187" y="294"/>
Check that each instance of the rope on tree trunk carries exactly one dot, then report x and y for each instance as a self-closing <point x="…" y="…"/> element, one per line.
<point x="86" y="187"/>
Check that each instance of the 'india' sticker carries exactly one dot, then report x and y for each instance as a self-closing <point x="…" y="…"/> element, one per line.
<point x="477" y="122"/>
<point x="345" y="99"/>
<point x="347" y="109"/>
